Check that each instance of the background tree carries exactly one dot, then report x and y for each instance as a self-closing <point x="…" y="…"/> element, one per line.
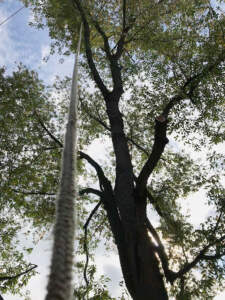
<point x="168" y="58"/>
<point x="24" y="150"/>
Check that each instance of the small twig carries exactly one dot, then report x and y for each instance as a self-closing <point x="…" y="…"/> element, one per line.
<point x="47" y="130"/>
<point x="124" y="14"/>
<point x="33" y="192"/>
<point x="217" y="222"/>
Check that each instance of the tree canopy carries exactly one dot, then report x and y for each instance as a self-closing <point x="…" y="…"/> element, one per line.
<point x="152" y="72"/>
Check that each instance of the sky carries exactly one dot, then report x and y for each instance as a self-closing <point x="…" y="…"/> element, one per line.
<point x="21" y="43"/>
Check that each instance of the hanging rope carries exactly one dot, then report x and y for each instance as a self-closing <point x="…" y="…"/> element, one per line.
<point x="60" y="279"/>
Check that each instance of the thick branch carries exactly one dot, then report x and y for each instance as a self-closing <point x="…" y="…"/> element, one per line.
<point x="105" y="38"/>
<point x="89" y="54"/>
<point x="213" y="257"/>
<point x="103" y="181"/>
<point x="90" y="191"/>
<point x="160" y="127"/>
<point x="86" y="242"/>
<point x="173" y="101"/>
<point x="110" y="206"/>
<point x="113" y="59"/>
<point x="107" y="198"/>
<point x="160" y="141"/>
<point x="161" y="122"/>
<point x="3" y="278"/>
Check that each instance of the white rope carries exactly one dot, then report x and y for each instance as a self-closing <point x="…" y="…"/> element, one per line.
<point x="60" y="279"/>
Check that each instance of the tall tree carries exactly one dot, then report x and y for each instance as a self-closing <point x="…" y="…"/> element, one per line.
<point x="168" y="56"/>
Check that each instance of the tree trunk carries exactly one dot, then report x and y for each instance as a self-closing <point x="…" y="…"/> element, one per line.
<point x="147" y="283"/>
<point x="139" y="263"/>
<point x="150" y="281"/>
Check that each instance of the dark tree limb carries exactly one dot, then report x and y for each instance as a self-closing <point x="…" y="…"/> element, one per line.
<point x="3" y="278"/>
<point x="82" y="155"/>
<point x="113" y="57"/>
<point x="94" y="71"/>
<point x="110" y="206"/>
<point x="90" y="191"/>
<point x="57" y="141"/>
<point x="173" y="101"/>
<point x="107" y="198"/>
<point x="160" y="141"/>
<point x="86" y="242"/>
<point x="104" y="37"/>
<point x="103" y="181"/>
<point x="200" y="257"/>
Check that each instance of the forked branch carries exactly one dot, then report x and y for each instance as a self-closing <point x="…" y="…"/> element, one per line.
<point x="200" y="257"/>
<point x="89" y="53"/>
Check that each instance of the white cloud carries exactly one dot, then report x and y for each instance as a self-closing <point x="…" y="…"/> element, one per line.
<point x="45" y="51"/>
<point x="220" y="296"/>
<point x="31" y="18"/>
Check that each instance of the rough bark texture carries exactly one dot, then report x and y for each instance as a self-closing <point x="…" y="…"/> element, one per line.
<point x="137" y="253"/>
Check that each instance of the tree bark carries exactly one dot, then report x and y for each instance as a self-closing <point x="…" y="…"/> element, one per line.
<point x="139" y="263"/>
